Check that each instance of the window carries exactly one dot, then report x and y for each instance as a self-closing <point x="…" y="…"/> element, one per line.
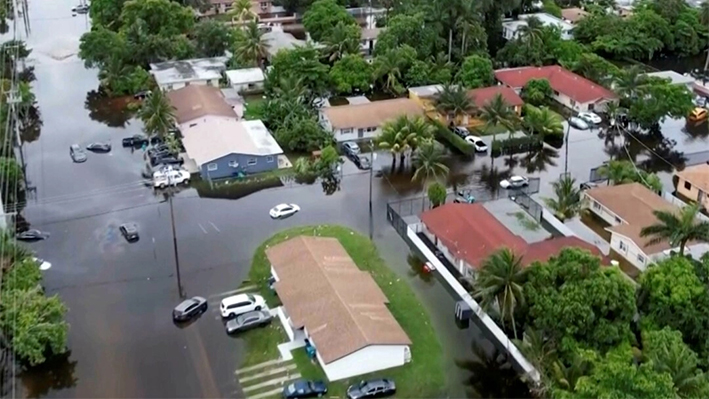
<point x="233" y="164"/>
<point x="209" y="83"/>
<point x="360" y="133"/>
<point x="264" y="6"/>
<point x="251" y="85"/>
<point x="617" y="220"/>
<point x="622" y="246"/>
<point x="269" y="159"/>
<point x="641" y="259"/>
<point x="212" y="167"/>
<point x="347" y="131"/>
<point x="193" y="124"/>
<point x="596" y="206"/>
<point x="572" y="102"/>
<point x="687" y="185"/>
<point x="187" y="83"/>
<point x="371" y="129"/>
<point x="251" y="161"/>
<point x="556" y="93"/>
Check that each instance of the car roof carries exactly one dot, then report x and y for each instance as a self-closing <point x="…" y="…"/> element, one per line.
<point x="516" y="177"/>
<point x="377" y="383"/>
<point x="236" y="298"/>
<point x="250" y="314"/>
<point x="281" y="206"/>
<point x="185" y="304"/>
<point x="130" y="226"/>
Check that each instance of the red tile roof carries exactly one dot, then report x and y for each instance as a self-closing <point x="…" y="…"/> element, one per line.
<point x="472" y="233"/>
<point x="485" y="94"/>
<point x="565" y="82"/>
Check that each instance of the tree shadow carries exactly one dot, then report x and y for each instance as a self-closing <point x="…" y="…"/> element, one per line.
<point x="537" y="161"/>
<point x="30" y="124"/>
<point x="490" y="177"/>
<point x="492" y="376"/>
<point x="56" y="374"/>
<point x="417" y="270"/>
<point x="113" y="112"/>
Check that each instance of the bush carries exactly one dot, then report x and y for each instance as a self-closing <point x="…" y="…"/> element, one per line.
<point x="443" y="134"/>
<point x="437" y="194"/>
<point x="516" y="145"/>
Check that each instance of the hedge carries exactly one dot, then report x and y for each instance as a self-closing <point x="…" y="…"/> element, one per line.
<point x="444" y="134"/>
<point x="516" y="145"/>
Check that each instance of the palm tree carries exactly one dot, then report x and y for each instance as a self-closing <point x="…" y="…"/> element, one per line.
<point x="630" y="81"/>
<point x="498" y="112"/>
<point x="341" y="41"/>
<point x="421" y="131"/>
<point x="567" y="377"/>
<point x="114" y="70"/>
<point x="427" y="161"/>
<point x="567" y="203"/>
<point x="396" y="136"/>
<point x="531" y="32"/>
<point x="499" y="285"/>
<point x="681" y="364"/>
<point x="704" y="13"/>
<point x="388" y="68"/>
<point x="544" y="122"/>
<point x="453" y="101"/>
<point x="242" y="10"/>
<point x="157" y="114"/>
<point x="677" y="228"/>
<point x="540" y="351"/>
<point x="250" y="48"/>
<point x="617" y="172"/>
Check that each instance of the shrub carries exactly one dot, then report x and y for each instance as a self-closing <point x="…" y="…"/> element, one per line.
<point x="437" y="194"/>
<point x="443" y="134"/>
<point x="516" y="145"/>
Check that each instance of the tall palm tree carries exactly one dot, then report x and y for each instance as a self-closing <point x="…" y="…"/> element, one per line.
<point x="341" y="41"/>
<point x="498" y="112"/>
<point x="499" y="285"/>
<point x="242" y="11"/>
<point x="396" y="137"/>
<point x="630" y="81"/>
<point x="567" y="203"/>
<point x="617" y="172"/>
<point x="531" y="32"/>
<point x="453" y="101"/>
<point x="250" y="48"/>
<point x="567" y="377"/>
<point x="540" y="351"/>
<point x="429" y="166"/>
<point x="387" y="68"/>
<point x="157" y="114"/>
<point x="677" y="228"/>
<point x="114" y="70"/>
<point x="681" y="364"/>
<point x="421" y="131"/>
<point x="544" y="122"/>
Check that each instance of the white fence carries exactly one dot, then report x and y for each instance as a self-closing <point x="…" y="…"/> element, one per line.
<point x="669" y="197"/>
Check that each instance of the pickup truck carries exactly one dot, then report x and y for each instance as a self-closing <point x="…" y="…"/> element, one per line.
<point x="170" y="178"/>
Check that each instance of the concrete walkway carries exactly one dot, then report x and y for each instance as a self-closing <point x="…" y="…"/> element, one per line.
<point x="266" y="379"/>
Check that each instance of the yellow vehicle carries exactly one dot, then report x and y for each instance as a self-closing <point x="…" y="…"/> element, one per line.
<point x="698" y="115"/>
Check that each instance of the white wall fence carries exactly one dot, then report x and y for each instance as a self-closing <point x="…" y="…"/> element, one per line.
<point x="671" y="198"/>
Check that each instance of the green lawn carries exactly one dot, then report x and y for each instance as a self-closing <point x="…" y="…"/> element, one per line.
<point x="423" y="377"/>
<point x="488" y="131"/>
<point x="253" y="108"/>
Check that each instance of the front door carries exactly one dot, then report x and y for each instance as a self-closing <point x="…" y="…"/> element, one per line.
<point x="700" y="197"/>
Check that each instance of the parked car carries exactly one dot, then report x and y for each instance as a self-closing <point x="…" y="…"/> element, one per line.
<point x="99" y="147"/>
<point x="477" y="142"/>
<point x="81" y="9"/>
<point x="304" y="389"/>
<point x="141" y="94"/>
<point x="590" y="117"/>
<point x="135" y="141"/>
<point x="43" y="264"/>
<point x="283" y="210"/>
<point x="362" y="162"/>
<point x="129" y="231"/>
<point x="189" y="308"/>
<point x="77" y="154"/>
<point x="461" y="131"/>
<point x="32" y="235"/>
<point x="515" y="182"/>
<point x="350" y="148"/>
<point x="171" y="178"/>
<point x="161" y="153"/>
<point x="166" y="160"/>
<point x="578" y="123"/>
<point x="240" y="304"/>
<point x="248" y="321"/>
<point x="372" y="389"/>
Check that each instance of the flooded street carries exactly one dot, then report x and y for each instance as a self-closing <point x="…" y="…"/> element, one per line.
<point x="122" y="340"/>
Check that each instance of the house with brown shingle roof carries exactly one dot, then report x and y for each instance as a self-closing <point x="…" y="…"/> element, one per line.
<point x="195" y="103"/>
<point x="467" y="234"/>
<point x="573" y="14"/>
<point x="628" y="208"/>
<point x="693" y="184"/>
<point x="362" y="121"/>
<point x="337" y="307"/>
<point x="569" y="89"/>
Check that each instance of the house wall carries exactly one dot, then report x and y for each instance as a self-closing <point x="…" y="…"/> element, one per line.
<point x="254" y="87"/>
<point x="179" y="85"/>
<point x="601" y="211"/>
<point x="463" y="267"/>
<point x="692" y="192"/>
<point x="467" y="120"/>
<point x="366" y="360"/>
<point x="233" y="164"/>
<point x="631" y="252"/>
<point x="349" y="134"/>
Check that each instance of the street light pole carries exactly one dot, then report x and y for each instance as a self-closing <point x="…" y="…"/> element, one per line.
<point x="371" y="171"/>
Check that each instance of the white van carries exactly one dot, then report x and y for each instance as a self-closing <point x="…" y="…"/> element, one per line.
<point x="162" y="179"/>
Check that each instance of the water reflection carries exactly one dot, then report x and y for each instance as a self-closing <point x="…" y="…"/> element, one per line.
<point x="537" y="161"/>
<point x="114" y="112"/>
<point x="490" y="177"/>
<point x="417" y="270"/>
<point x="492" y="376"/>
<point x="30" y="123"/>
<point x="55" y="374"/>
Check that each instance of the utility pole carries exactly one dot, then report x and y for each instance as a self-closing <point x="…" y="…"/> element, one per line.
<point x="566" y="157"/>
<point x="371" y="172"/>
<point x="171" y="194"/>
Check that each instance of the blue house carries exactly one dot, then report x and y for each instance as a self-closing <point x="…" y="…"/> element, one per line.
<point x="226" y="147"/>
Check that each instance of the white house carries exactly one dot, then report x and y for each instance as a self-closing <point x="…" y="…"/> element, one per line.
<point x="364" y="120"/>
<point x="172" y="75"/>
<point x="369" y="39"/>
<point x="246" y="80"/>
<point x="675" y="78"/>
<point x="337" y="307"/>
<point x="511" y="28"/>
<point x="569" y="89"/>
<point x="628" y="208"/>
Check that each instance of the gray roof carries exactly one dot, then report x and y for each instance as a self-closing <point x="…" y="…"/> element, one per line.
<point x="278" y="40"/>
<point x="426" y="91"/>
<point x="188" y="70"/>
<point x="674" y="77"/>
<point x="217" y="137"/>
<point x="245" y="75"/>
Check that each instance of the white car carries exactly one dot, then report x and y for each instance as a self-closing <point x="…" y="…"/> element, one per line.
<point x="515" y="182"/>
<point x="477" y="142"/>
<point x="590" y="117"/>
<point x="43" y="264"/>
<point x="578" y="123"/>
<point x="283" y="210"/>
<point x="240" y="304"/>
<point x="162" y="179"/>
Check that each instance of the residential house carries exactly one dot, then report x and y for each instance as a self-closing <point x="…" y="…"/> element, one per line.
<point x="573" y="15"/>
<point x="511" y="28"/>
<point x="426" y="96"/>
<point x="225" y="147"/>
<point x="675" y="78"/>
<point x="337" y="307"/>
<point x="246" y="80"/>
<point x="570" y="90"/>
<point x="693" y="184"/>
<point x="263" y="9"/>
<point x="172" y="75"/>
<point x="628" y="208"/>
<point x="369" y="40"/>
<point x="198" y="104"/>
<point x="364" y="121"/>
<point x="278" y="40"/>
<point x="467" y="234"/>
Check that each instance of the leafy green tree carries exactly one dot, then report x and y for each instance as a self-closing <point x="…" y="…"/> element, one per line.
<point x="250" y="48"/>
<point x="657" y="100"/>
<point x="437" y="194"/>
<point x="677" y="228"/>
<point x="475" y="72"/>
<point x="301" y="63"/>
<point x="12" y="182"/>
<point x="341" y="40"/>
<point x="100" y="45"/>
<point x="575" y="301"/>
<point x="24" y="274"/>
<point x="544" y="122"/>
<point x="428" y="164"/>
<point x="322" y="17"/>
<point x="389" y="68"/>
<point x="537" y="92"/>
<point x="162" y="17"/>
<point x="325" y="166"/>
<point x="212" y="38"/>
<point x="595" y="68"/>
<point x="497" y="112"/>
<point x="440" y="70"/>
<point x="704" y="13"/>
<point x="351" y="73"/>
<point x="106" y="13"/>
<point x="499" y="286"/>
<point x="411" y="30"/>
<point x="157" y="114"/>
<point x="669" y="354"/>
<point x="453" y="102"/>
<point x="567" y="203"/>
<point x="242" y="11"/>
<point x="623" y="171"/>
<point x="302" y="134"/>
<point x="418" y="74"/>
<point x="550" y="7"/>
<point x="35" y="324"/>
